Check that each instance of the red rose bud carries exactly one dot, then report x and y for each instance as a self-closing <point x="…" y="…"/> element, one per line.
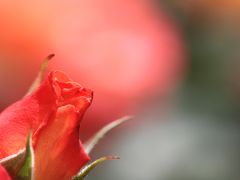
<point x="53" y="113"/>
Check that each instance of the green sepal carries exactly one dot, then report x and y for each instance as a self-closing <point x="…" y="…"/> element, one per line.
<point x="20" y="165"/>
<point x="13" y="163"/>
<point x="40" y="74"/>
<point x="26" y="171"/>
<point x="92" y="142"/>
<point x="87" y="169"/>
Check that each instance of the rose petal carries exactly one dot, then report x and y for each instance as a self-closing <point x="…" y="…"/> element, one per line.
<point x="58" y="152"/>
<point x="3" y="174"/>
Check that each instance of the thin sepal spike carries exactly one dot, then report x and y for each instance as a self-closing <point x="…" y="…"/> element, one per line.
<point x="92" y="142"/>
<point x="87" y="169"/>
<point x="40" y="74"/>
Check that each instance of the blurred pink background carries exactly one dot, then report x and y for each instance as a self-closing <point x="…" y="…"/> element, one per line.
<point x="126" y="51"/>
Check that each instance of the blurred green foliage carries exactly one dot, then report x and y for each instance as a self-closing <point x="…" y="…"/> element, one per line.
<point x="212" y="44"/>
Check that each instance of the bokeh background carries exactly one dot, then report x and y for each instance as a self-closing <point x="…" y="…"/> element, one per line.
<point x="172" y="64"/>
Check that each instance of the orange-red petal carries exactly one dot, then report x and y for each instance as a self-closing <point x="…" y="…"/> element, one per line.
<point x="58" y="152"/>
